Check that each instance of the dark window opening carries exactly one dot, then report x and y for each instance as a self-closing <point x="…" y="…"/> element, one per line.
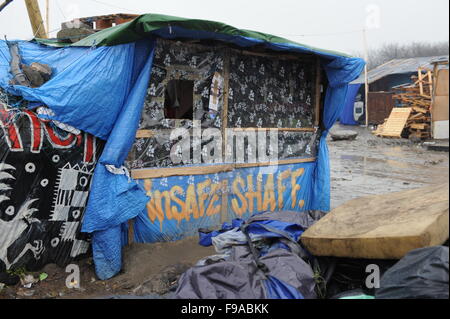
<point x="179" y="100"/>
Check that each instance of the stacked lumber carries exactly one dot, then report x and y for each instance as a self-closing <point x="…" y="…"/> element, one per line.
<point x="417" y="97"/>
<point x="395" y="124"/>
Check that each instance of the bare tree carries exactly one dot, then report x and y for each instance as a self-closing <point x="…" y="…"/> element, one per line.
<point x="390" y="51"/>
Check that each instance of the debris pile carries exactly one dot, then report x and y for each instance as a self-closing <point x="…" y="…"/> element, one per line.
<point x="33" y="75"/>
<point x="416" y="99"/>
<point x="417" y="96"/>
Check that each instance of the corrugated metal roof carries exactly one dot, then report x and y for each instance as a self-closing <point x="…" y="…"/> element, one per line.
<point x="400" y="66"/>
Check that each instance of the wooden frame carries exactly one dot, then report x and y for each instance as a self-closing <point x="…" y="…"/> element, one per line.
<point x="226" y="81"/>
<point x="153" y="133"/>
<point x="308" y="58"/>
<point x="146" y="133"/>
<point x="318" y="96"/>
<point x="287" y="129"/>
<point x="212" y="169"/>
<point x="148" y="173"/>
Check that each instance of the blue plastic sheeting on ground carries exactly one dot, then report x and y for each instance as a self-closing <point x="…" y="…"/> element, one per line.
<point x="260" y="228"/>
<point x="347" y="117"/>
<point x="105" y="245"/>
<point x="206" y="237"/>
<point x="277" y="289"/>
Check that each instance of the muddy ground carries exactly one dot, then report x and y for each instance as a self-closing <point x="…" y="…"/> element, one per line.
<point x="372" y="165"/>
<point x="368" y="165"/>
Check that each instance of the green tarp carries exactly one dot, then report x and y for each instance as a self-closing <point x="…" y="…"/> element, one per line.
<point x="149" y="24"/>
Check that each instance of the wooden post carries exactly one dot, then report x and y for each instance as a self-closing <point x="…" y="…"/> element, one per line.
<point x="37" y="24"/>
<point x="318" y="93"/>
<point x="224" y="208"/>
<point x="433" y="96"/>
<point x="47" y="17"/>
<point x="366" y="77"/>
<point x="130" y="231"/>
<point x="226" y="89"/>
<point x="430" y="83"/>
<point x="420" y="81"/>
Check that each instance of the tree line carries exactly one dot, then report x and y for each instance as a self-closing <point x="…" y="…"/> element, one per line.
<point x="390" y="51"/>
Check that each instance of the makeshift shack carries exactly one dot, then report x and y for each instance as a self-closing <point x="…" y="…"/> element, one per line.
<point x="440" y="103"/>
<point x="202" y="123"/>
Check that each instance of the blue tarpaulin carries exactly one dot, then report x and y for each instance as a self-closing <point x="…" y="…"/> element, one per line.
<point x="101" y="90"/>
<point x="153" y="225"/>
<point x="347" y="117"/>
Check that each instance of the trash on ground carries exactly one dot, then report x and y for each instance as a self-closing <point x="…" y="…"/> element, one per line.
<point x="27" y="281"/>
<point x="259" y="259"/>
<point x="421" y="274"/>
<point x="43" y="276"/>
<point x="21" y="292"/>
<point x="343" y="135"/>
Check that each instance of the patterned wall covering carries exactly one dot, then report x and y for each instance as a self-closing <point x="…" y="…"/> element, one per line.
<point x="45" y="178"/>
<point x="264" y="92"/>
<point x="272" y="93"/>
<point x="179" y="61"/>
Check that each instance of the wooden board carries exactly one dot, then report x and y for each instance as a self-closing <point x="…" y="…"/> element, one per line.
<point x="205" y="169"/>
<point x="396" y="122"/>
<point x="383" y="226"/>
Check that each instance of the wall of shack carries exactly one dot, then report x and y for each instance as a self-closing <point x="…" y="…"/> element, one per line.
<point x="262" y="96"/>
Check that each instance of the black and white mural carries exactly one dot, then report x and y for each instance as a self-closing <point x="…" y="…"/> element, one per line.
<point x="263" y="92"/>
<point x="268" y="92"/>
<point x="188" y="62"/>
<point x="45" y="176"/>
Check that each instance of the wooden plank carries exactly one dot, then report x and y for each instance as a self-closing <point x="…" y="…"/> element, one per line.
<point x="280" y="162"/>
<point x="145" y="133"/>
<point x="383" y="226"/>
<point x="213" y="169"/>
<point x="302" y="57"/>
<point x="224" y="208"/>
<point x="287" y="129"/>
<point x="419" y="126"/>
<point x="419" y="110"/>
<point x="396" y="122"/>
<point x="130" y="231"/>
<point x="226" y="90"/>
<point x="420" y="81"/>
<point x="37" y="24"/>
<point x="430" y="82"/>
<point x="180" y="171"/>
<point x="417" y="117"/>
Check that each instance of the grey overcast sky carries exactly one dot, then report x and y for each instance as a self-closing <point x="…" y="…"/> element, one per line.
<point x="329" y="24"/>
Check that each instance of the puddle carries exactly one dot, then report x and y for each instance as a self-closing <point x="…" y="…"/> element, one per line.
<point x="370" y="166"/>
